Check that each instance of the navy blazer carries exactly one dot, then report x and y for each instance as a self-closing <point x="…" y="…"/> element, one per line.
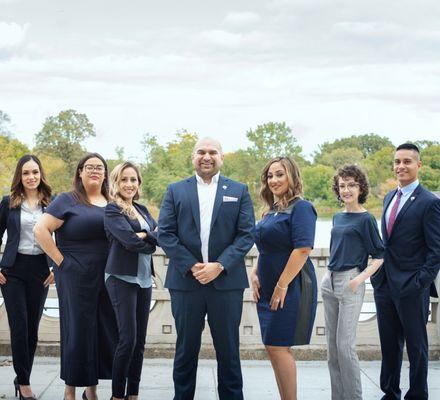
<point x="10" y="220"/>
<point x="230" y="239"/>
<point x="125" y="245"/>
<point x="412" y="252"/>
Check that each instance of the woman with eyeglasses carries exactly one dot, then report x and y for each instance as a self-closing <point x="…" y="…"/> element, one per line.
<point x="24" y="270"/>
<point x="87" y="321"/>
<point x="354" y="237"/>
<point x="128" y="275"/>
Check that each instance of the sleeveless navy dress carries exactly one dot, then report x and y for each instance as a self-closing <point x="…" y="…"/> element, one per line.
<point x="87" y="321"/>
<point x="276" y="236"/>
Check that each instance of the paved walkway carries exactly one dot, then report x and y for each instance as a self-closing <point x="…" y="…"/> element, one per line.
<point x="259" y="383"/>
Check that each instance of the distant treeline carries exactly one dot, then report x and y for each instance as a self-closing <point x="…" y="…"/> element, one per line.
<point x="59" y="145"/>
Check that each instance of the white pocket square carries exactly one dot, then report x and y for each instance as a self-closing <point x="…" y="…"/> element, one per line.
<point x="227" y="198"/>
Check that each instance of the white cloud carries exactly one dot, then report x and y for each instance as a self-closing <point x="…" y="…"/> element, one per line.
<point x="241" y="19"/>
<point x="12" y="35"/>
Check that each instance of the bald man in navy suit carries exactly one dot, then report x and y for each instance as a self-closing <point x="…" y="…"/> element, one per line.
<point x="411" y="234"/>
<point x="205" y="228"/>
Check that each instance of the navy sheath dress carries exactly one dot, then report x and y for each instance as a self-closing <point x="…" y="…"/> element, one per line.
<point x="276" y="236"/>
<point x="87" y="321"/>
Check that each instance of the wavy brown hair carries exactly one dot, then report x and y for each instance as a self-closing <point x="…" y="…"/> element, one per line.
<point x="115" y="194"/>
<point x="78" y="190"/>
<point x="18" y="194"/>
<point x="295" y="184"/>
<point x="359" y="176"/>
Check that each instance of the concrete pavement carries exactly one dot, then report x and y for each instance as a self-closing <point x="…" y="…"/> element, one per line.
<point x="259" y="382"/>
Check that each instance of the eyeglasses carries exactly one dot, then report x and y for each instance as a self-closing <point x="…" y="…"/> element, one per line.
<point x="350" y="186"/>
<point x="89" y="168"/>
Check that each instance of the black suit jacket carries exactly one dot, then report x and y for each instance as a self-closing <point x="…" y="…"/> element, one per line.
<point x="125" y="245"/>
<point x="412" y="251"/>
<point x="10" y="220"/>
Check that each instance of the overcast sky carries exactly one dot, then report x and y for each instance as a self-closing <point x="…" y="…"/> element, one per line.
<point x="328" y="68"/>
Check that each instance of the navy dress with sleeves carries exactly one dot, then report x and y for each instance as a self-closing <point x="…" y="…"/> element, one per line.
<point x="276" y="236"/>
<point x="87" y="321"/>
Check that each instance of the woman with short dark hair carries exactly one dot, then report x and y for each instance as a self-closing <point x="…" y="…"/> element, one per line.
<point x="24" y="270"/>
<point x="87" y="321"/>
<point x="354" y="237"/>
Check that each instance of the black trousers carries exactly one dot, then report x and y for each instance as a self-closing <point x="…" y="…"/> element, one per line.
<point x="224" y="309"/>
<point x="24" y="296"/>
<point x="132" y="306"/>
<point x="403" y="320"/>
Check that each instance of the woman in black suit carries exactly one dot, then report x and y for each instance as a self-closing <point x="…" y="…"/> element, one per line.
<point x="128" y="274"/>
<point x="24" y="270"/>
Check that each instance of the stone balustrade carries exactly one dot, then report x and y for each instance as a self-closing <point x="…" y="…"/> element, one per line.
<point x="161" y="334"/>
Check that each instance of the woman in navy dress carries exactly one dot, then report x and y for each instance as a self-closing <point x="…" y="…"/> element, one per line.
<point x="24" y="270"/>
<point x="284" y="281"/>
<point x="87" y="321"/>
<point x="128" y="275"/>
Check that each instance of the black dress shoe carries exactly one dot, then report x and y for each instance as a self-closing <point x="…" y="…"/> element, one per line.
<point x="84" y="396"/>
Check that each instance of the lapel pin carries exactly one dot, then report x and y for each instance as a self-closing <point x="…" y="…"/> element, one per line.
<point x="412" y="198"/>
<point x="224" y="187"/>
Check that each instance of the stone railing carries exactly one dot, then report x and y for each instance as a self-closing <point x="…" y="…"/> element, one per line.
<point x="161" y="335"/>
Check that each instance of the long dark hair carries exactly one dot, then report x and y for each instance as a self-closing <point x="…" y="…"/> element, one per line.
<point x="17" y="189"/>
<point x="295" y="184"/>
<point x="78" y="190"/>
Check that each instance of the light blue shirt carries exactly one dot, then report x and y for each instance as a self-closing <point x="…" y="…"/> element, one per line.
<point x="143" y="278"/>
<point x="406" y="194"/>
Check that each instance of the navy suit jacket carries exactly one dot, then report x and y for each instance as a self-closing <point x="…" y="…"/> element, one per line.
<point x="10" y="220"/>
<point x="412" y="252"/>
<point x="125" y="245"/>
<point x="230" y="237"/>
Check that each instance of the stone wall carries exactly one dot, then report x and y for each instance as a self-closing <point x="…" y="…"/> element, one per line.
<point x="161" y="332"/>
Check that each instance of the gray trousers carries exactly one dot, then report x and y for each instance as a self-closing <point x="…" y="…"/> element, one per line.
<point x="342" y="308"/>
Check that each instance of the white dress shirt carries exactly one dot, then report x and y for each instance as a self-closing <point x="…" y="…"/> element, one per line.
<point x="206" y="193"/>
<point x="406" y="193"/>
<point x="28" y="218"/>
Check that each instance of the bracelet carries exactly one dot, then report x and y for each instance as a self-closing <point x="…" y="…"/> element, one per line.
<point x="282" y="288"/>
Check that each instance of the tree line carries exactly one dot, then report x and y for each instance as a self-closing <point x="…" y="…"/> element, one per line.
<point x="59" y="144"/>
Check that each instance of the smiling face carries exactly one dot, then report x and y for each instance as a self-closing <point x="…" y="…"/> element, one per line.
<point x="92" y="174"/>
<point x="128" y="184"/>
<point x="277" y="179"/>
<point x="349" y="191"/>
<point x="406" y="166"/>
<point x="30" y="175"/>
<point x="207" y="158"/>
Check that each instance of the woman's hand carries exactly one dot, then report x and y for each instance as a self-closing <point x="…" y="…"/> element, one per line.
<point x="278" y="296"/>
<point x="2" y="279"/>
<point x="354" y="284"/>
<point x="255" y="285"/>
<point x="50" y="280"/>
<point x="142" y="235"/>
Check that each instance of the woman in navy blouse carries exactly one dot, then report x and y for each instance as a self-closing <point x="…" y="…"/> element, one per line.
<point x="87" y="321"/>
<point x="354" y="237"/>
<point x="24" y="270"/>
<point x="284" y="282"/>
<point x="128" y="275"/>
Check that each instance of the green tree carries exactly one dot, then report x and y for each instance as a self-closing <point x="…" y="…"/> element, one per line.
<point x="10" y="151"/>
<point x="367" y="144"/>
<point x="317" y="180"/>
<point x="339" y="157"/>
<point x="167" y="164"/>
<point x="63" y="136"/>
<point x="5" y="120"/>
<point x="379" y="168"/>
<point x="272" y="139"/>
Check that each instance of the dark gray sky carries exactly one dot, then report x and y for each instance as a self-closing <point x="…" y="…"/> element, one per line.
<point x="329" y="68"/>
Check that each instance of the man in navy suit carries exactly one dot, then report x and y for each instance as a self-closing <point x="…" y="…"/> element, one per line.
<point x="411" y="233"/>
<point x="205" y="228"/>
